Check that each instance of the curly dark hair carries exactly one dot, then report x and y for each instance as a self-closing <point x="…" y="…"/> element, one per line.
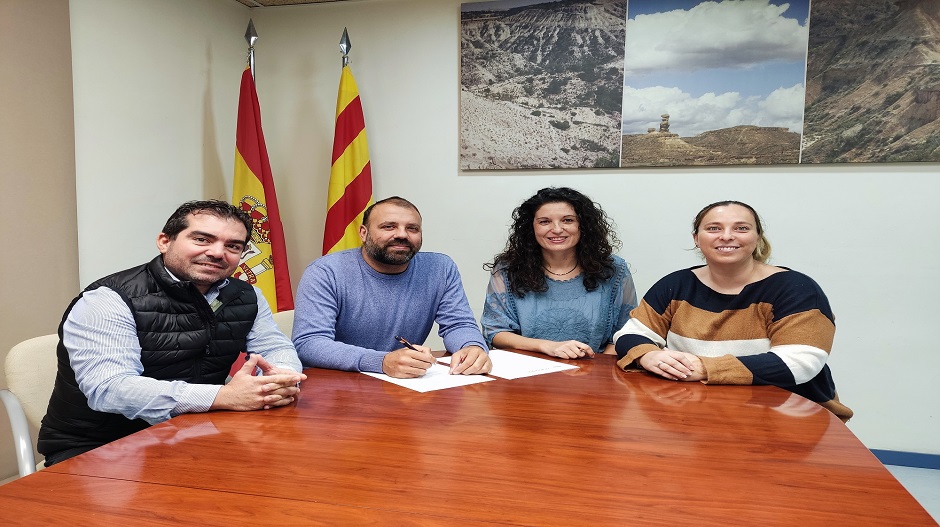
<point x="522" y="257"/>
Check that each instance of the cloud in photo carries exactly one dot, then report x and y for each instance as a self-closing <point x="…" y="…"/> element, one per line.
<point x="691" y="115"/>
<point x="713" y="65"/>
<point x="727" y="34"/>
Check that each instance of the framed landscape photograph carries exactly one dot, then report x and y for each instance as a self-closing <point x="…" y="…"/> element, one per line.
<point x="612" y="83"/>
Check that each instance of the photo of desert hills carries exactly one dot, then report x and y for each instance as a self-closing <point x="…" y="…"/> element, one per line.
<point x="873" y="82"/>
<point x="548" y="85"/>
<point x="541" y="84"/>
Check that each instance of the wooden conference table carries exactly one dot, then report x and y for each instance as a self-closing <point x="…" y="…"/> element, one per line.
<point x="592" y="446"/>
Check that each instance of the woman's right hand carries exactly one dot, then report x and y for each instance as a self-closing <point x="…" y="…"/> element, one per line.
<point x="569" y="349"/>
<point x="673" y="365"/>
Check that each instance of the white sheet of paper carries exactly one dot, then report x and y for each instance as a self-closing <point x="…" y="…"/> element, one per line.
<point x="437" y="378"/>
<point x="510" y="365"/>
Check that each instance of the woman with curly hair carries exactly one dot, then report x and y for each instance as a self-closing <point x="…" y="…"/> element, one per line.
<point x="557" y="288"/>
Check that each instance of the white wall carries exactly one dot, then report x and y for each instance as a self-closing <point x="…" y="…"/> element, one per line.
<point x="156" y="90"/>
<point x="866" y="233"/>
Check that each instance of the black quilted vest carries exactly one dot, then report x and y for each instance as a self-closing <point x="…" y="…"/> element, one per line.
<point x="181" y="339"/>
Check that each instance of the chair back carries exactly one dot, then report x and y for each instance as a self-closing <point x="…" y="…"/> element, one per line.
<point x="30" y="371"/>
<point x="30" y="374"/>
<point x="285" y="321"/>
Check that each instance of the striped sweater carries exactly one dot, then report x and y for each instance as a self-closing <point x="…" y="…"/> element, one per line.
<point x="776" y="331"/>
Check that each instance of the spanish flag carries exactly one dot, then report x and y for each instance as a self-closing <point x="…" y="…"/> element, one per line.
<point x="264" y="263"/>
<point x="350" y="191"/>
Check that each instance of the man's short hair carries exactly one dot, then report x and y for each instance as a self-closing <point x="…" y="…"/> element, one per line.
<point x="394" y="200"/>
<point x="177" y="222"/>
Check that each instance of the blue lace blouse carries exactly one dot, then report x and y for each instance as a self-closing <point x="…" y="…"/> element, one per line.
<point x="566" y="311"/>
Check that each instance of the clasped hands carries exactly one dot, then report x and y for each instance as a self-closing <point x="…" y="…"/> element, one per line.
<point x="247" y="391"/>
<point x="673" y="365"/>
<point x="407" y="363"/>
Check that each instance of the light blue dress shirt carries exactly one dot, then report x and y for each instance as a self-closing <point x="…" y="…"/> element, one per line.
<point x="101" y="338"/>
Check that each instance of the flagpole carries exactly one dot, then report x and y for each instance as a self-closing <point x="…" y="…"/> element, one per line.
<point x="344" y="47"/>
<point x="251" y="36"/>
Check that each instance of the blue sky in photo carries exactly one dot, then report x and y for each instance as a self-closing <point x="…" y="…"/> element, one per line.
<point x="760" y="79"/>
<point x="715" y="64"/>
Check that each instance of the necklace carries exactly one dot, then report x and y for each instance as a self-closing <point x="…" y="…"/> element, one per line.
<point x="569" y="271"/>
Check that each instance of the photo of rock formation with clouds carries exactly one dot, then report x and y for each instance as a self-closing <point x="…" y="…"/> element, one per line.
<point x="873" y="82"/>
<point x="541" y="84"/>
<point x="714" y="83"/>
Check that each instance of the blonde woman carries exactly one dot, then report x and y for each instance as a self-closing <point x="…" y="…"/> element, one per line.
<point x="736" y="319"/>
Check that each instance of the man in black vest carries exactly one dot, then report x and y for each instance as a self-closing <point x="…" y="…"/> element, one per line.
<point x="146" y="344"/>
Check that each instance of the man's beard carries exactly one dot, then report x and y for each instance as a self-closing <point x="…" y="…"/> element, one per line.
<point x="383" y="255"/>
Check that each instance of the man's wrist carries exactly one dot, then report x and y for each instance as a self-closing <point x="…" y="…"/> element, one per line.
<point x="373" y="362"/>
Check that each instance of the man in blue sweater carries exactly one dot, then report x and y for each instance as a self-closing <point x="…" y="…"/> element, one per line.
<point x="352" y="305"/>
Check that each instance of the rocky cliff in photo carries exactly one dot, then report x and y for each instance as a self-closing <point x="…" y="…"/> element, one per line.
<point x="542" y="85"/>
<point x="873" y="82"/>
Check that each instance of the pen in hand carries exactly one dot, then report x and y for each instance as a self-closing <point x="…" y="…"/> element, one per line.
<point x="411" y="346"/>
<point x="406" y="344"/>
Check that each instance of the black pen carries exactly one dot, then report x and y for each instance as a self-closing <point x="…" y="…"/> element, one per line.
<point x="406" y="344"/>
<point x="411" y="346"/>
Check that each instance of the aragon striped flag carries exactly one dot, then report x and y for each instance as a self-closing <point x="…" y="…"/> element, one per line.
<point x="264" y="263"/>
<point x="350" y="191"/>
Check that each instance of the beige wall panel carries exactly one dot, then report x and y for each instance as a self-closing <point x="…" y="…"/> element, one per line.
<point x="39" y="236"/>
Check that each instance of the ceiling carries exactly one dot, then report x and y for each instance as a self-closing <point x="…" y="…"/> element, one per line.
<point x="272" y="3"/>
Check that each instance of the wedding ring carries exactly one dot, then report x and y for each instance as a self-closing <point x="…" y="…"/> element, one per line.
<point x="660" y="365"/>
